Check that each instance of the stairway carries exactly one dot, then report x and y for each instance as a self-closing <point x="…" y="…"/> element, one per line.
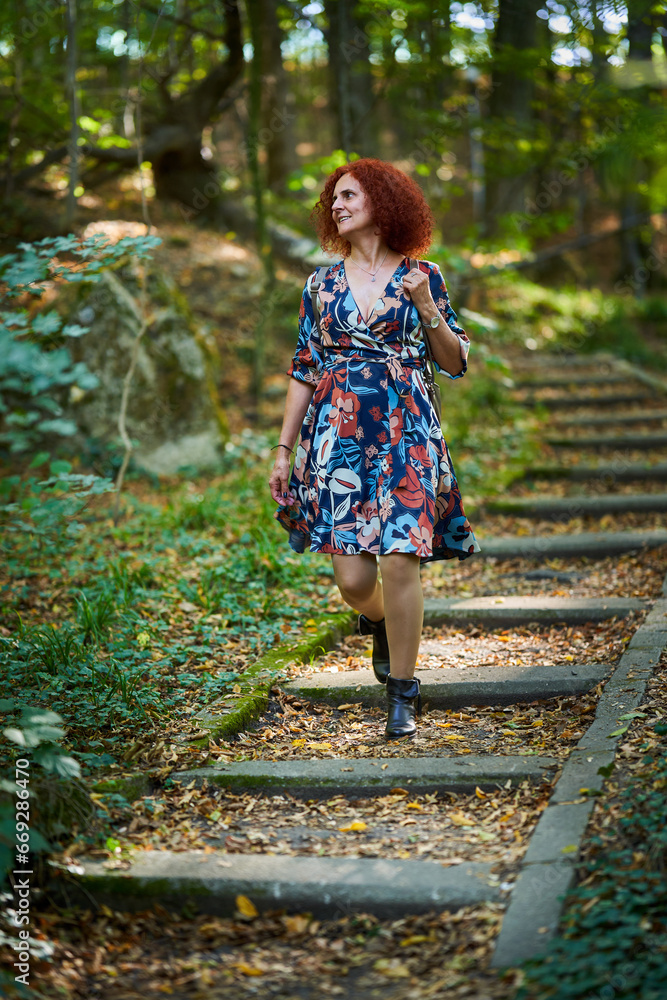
<point x="547" y="541"/>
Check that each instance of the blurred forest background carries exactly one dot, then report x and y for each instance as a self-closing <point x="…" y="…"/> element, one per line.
<point x="537" y="131"/>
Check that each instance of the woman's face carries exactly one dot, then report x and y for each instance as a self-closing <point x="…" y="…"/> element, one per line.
<point x="351" y="209"/>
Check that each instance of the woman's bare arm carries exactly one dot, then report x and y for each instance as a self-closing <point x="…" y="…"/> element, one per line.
<point x="299" y="396"/>
<point x="445" y="345"/>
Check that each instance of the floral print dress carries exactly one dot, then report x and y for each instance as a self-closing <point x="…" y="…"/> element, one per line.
<point x="372" y="471"/>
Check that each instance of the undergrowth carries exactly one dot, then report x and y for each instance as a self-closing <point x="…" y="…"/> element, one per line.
<point x="575" y="320"/>
<point x="490" y="437"/>
<point x="168" y="607"/>
<point x="613" y="945"/>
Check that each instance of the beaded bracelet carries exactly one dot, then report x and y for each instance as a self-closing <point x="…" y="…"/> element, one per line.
<point x="283" y="446"/>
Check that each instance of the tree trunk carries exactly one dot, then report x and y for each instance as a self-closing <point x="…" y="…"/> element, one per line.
<point x="351" y="78"/>
<point x="277" y="101"/>
<point x="635" y="248"/>
<point x="70" y="88"/>
<point x="15" y="114"/>
<point x="179" y="169"/>
<point x="514" y="58"/>
<point x="254" y="144"/>
<point x="439" y="39"/>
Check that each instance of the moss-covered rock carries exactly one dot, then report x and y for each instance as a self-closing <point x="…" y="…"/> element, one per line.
<point x="131" y="787"/>
<point x="174" y="413"/>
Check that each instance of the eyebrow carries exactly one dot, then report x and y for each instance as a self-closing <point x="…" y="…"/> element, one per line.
<point x="347" y="191"/>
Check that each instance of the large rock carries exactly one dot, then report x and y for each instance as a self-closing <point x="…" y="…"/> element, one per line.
<point x="174" y="416"/>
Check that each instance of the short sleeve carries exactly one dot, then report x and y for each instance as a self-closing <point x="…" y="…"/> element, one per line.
<point x="304" y="364"/>
<point x="441" y="299"/>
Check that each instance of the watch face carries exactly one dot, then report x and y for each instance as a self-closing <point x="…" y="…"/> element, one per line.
<point x="434" y="322"/>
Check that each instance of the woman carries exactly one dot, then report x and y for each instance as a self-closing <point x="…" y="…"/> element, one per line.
<point x="372" y="481"/>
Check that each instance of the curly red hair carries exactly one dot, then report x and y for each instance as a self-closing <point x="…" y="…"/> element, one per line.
<point x="399" y="208"/>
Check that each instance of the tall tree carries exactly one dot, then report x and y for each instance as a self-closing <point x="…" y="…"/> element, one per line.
<point x="255" y="9"/>
<point x="178" y="103"/>
<point x="351" y="83"/>
<point x="636" y="241"/>
<point x="514" y="59"/>
<point x="73" y="97"/>
<point x="277" y="101"/>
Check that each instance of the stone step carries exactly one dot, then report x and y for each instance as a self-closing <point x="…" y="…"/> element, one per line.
<point x="564" y="381"/>
<point x="360" y="777"/>
<point x="576" y="506"/>
<point x="636" y="417"/>
<point x="325" y="887"/>
<point x="575" y="402"/>
<point x="639" y="442"/>
<point x="595" y="544"/>
<point x="456" y="687"/>
<point x="516" y="609"/>
<point x="613" y="472"/>
<point x="564" y="361"/>
<point x="658" y="383"/>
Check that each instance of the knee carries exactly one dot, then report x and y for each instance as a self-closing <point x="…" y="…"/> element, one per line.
<point x="356" y="591"/>
<point x="356" y="582"/>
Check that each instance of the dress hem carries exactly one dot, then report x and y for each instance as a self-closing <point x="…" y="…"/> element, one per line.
<point x="298" y="540"/>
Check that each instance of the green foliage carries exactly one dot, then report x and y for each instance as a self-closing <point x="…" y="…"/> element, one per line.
<point x="36" y="364"/>
<point x="38" y="734"/>
<point x="36" y="373"/>
<point x="569" y="319"/>
<point x="613" y="943"/>
<point x="311" y="176"/>
<point x="68" y="664"/>
<point x="654" y="309"/>
<point x="491" y="437"/>
<point x="94" y="617"/>
<point x="45" y="511"/>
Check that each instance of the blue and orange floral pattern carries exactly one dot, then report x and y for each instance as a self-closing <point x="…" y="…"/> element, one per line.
<point x="372" y="471"/>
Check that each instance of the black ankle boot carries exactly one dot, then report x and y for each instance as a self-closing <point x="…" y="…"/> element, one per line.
<point x="402" y="696"/>
<point x="380" y="646"/>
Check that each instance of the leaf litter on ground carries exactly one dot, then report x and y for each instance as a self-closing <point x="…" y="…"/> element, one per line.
<point x="633" y="574"/>
<point x="279" y="955"/>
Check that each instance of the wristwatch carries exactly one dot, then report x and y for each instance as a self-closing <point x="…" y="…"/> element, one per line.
<point x="435" y="321"/>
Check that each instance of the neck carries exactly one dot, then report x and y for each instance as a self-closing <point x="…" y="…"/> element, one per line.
<point x="368" y="252"/>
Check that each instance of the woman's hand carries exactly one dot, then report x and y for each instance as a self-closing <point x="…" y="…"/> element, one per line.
<point x="279" y="479"/>
<point x="416" y="287"/>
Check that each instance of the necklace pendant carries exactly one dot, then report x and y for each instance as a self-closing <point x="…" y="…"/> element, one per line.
<point x="373" y="279"/>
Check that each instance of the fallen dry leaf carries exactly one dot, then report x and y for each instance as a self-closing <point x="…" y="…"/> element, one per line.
<point x="246" y="908"/>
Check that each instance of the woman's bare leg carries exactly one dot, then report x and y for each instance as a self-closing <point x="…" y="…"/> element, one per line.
<point x="357" y="580"/>
<point x="403" y="610"/>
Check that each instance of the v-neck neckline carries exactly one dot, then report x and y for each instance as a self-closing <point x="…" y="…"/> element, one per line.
<point x="379" y="296"/>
